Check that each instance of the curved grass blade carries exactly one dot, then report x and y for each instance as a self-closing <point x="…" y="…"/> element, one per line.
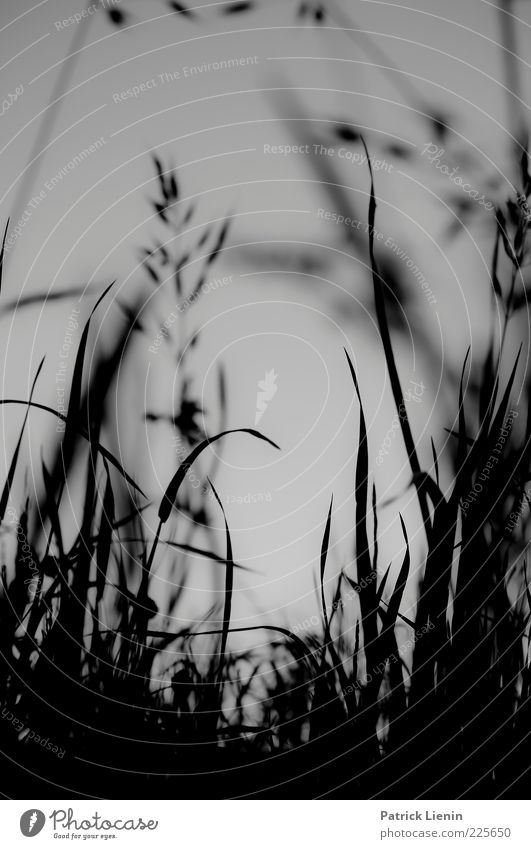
<point x="306" y="652"/>
<point x="329" y="643"/>
<point x="193" y="549"/>
<point x="53" y="512"/>
<point x="229" y="583"/>
<point x="494" y="268"/>
<point x="488" y="433"/>
<point x="337" y="603"/>
<point x="379" y="591"/>
<point x="396" y="598"/>
<point x="385" y="335"/>
<point x="2" y="254"/>
<point x="435" y="462"/>
<point x="202" y="552"/>
<point x="11" y="474"/>
<point x="103" y="549"/>
<point x="375" y="529"/>
<point x="82" y="432"/>
<point x="324" y="554"/>
<point x="367" y="589"/>
<point x="462" y="441"/>
<point x="72" y="417"/>
<point x="170" y="496"/>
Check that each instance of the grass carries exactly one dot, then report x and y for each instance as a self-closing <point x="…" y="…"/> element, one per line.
<point x="89" y="661"/>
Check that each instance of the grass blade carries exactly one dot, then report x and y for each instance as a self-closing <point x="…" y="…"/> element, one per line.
<point x="385" y="335"/>
<point x="229" y="583"/>
<point x="2" y="254"/>
<point x="170" y="496"/>
<point x="363" y="559"/>
<point x="324" y="555"/>
<point x="72" y="417"/>
<point x="82" y="432"/>
<point x="103" y="549"/>
<point x="11" y="474"/>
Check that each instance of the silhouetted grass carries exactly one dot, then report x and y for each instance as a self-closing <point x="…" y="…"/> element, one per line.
<point x="87" y="656"/>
